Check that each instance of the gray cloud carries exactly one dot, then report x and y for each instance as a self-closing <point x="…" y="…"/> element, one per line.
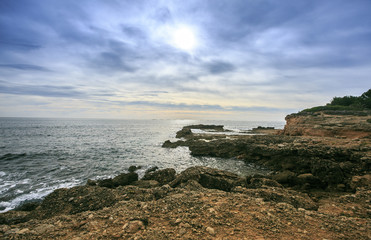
<point x="42" y="90"/>
<point x="245" y="48"/>
<point x="217" y="67"/>
<point x="25" y="67"/>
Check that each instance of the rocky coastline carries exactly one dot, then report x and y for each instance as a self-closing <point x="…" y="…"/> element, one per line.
<point x="319" y="188"/>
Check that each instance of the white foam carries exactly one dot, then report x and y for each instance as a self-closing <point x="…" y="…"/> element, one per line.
<point x="37" y="194"/>
<point x="2" y="174"/>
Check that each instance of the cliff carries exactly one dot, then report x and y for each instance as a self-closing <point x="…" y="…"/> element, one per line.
<point x="329" y="124"/>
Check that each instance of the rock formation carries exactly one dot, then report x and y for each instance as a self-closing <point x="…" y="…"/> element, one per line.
<point x="199" y="203"/>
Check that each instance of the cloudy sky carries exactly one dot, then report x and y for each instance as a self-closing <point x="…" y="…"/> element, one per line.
<point x="216" y="59"/>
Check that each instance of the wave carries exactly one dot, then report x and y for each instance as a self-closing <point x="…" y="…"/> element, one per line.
<point x="12" y="156"/>
<point x="35" y="195"/>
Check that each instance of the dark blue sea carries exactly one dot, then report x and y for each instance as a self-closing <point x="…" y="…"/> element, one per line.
<point x="39" y="155"/>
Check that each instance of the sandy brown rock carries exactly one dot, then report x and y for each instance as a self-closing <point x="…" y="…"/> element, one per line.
<point x="205" y="214"/>
<point x="328" y="124"/>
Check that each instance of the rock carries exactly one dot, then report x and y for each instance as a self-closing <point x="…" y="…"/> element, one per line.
<point x="14" y="217"/>
<point x="28" y="206"/>
<point x="328" y="171"/>
<point x="361" y="182"/>
<point x="210" y="230"/>
<point x="310" y="181"/>
<point x="133" y="226"/>
<point x="146" y="183"/>
<point x="108" y="183"/>
<point x="191" y="185"/>
<point x="43" y="228"/>
<point x="285" y="177"/>
<point x="91" y="182"/>
<point x="23" y="231"/>
<point x="151" y="169"/>
<point x="169" y="144"/>
<point x="209" y="178"/>
<point x="84" y="198"/>
<point x="262" y="183"/>
<point x="162" y="176"/>
<point x="186" y="131"/>
<point x="133" y="168"/>
<point x="125" y="179"/>
<point x="279" y="195"/>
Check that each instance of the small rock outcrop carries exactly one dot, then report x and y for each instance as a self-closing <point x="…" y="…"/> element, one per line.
<point x="209" y="178"/>
<point x="186" y="131"/>
<point x="163" y="176"/>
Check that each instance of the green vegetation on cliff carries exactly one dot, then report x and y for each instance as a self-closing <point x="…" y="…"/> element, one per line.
<point x="346" y="104"/>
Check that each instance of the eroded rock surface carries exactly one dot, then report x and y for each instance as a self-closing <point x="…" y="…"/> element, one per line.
<point x="310" y="161"/>
<point x="253" y="207"/>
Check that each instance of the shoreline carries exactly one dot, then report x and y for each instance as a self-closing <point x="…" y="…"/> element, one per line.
<point x="320" y="189"/>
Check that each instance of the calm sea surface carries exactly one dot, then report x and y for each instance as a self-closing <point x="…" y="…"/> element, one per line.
<point x="38" y="156"/>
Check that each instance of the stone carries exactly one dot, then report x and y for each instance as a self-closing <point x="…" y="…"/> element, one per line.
<point x="151" y="169"/>
<point x="285" y="177"/>
<point x="125" y="179"/>
<point x="210" y="230"/>
<point x="133" y="226"/>
<point x="361" y="182"/>
<point x="91" y="182"/>
<point x="23" y="231"/>
<point x="43" y="228"/>
<point x="310" y="181"/>
<point x="208" y="178"/>
<point x="146" y="183"/>
<point x="262" y="183"/>
<point x="133" y="168"/>
<point x="163" y="176"/>
<point x="108" y="183"/>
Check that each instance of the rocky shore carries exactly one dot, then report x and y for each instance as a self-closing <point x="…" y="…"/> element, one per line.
<point x="320" y="188"/>
<point x="199" y="203"/>
<point x="318" y="151"/>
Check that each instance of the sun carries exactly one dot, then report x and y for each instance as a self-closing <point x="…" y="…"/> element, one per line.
<point x="184" y="38"/>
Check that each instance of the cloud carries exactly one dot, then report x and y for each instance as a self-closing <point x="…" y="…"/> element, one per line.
<point x="264" y="53"/>
<point x="217" y="67"/>
<point x="25" y="67"/>
<point x="43" y="90"/>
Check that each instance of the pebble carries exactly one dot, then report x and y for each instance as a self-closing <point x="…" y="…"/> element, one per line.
<point x="210" y="230"/>
<point x="24" y="230"/>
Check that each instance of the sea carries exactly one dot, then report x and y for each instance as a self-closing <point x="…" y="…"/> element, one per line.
<point x="39" y="155"/>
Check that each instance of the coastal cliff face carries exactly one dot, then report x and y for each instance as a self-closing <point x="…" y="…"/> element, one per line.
<point x="328" y="124"/>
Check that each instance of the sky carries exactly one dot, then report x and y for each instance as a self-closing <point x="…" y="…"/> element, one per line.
<point x="209" y="59"/>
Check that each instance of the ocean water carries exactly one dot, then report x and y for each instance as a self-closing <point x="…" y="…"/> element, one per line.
<point x="39" y="155"/>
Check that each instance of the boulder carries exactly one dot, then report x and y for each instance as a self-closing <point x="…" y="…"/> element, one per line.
<point x="262" y="183"/>
<point x="285" y="177"/>
<point x="133" y="168"/>
<point x="121" y="180"/>
<point x="361" y="182"/>
<point x="125" y="179"/>
<point x="309" y="181"/>
<point x="209" y="178"/>
<point x="163" y="176"/>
